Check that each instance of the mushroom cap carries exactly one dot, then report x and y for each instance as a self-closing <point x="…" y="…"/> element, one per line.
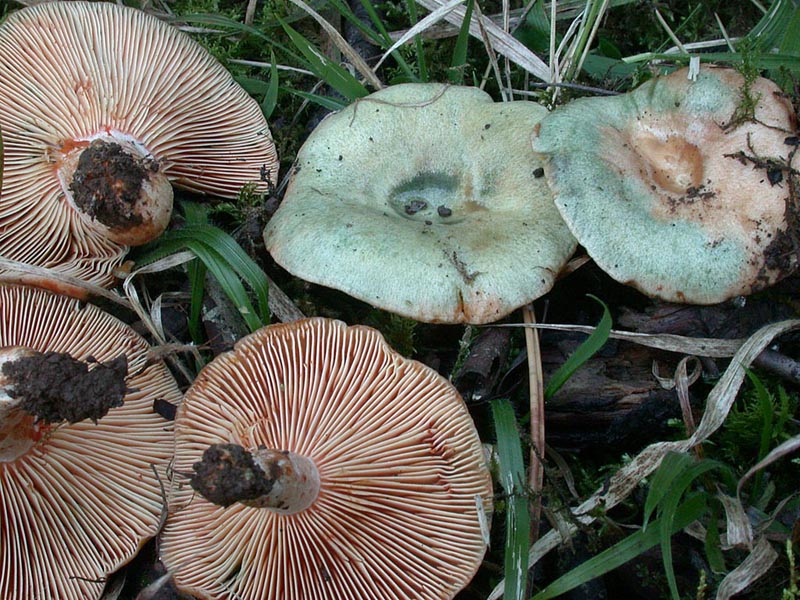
<point x="81" y="501"/>
<point x="403" y="479"/>
<point x="73" y="72"/>
<point x="663" y="188"/>
<point x="423" y="199"/>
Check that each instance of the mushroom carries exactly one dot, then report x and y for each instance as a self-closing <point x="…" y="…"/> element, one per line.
<point x="101" y="107"/>
<point x="77" y="499"/>
<point x="425" y="200"/>
<point x="671" y="189"/>
<point x="349" y="471"/>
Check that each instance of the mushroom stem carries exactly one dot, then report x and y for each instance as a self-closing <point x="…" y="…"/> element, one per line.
<point x="116" y="186"/>
<point x="278" y="480"/>
<point x="41" y="389"/>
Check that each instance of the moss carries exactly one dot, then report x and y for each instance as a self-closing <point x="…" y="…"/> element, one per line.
<point x="748" y="100"/>
<point x="764" y="416"/>
<point x="229" y="8"/>
<point x="398" y="331"/>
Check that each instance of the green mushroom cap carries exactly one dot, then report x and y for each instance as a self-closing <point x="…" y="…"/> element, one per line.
<point x="671" y="192"/>
<point x="426" y="200"/>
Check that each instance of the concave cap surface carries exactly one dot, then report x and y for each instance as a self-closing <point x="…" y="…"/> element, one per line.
<point x="669" y="193"/>
<point x="84" y="497"/>
<point x="74" y="72"/>
<point x="403" y="480"/>
<point x="423" y="199"/>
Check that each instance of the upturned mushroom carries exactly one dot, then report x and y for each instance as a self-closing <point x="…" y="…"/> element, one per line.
<point x="101" y="107"/>
<point x="347" y="470"/>
<point x="675" y="189"/>
<point x="79" y="445"/>
<point x="425" y="200"/>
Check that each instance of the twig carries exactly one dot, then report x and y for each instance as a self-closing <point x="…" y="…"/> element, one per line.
<point x="281" y="305"/>
<point x="536" y="394"/>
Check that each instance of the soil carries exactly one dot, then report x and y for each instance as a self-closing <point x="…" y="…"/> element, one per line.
<point x="107" y="184"/>
<point x="55" y="387"/>
<point x="228" y="474"/>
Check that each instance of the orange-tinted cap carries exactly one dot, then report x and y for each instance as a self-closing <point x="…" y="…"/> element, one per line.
<point x="77" y="72"/>
<point x="403" y="482"/>
<point x="77" y="501"/>
<point x="670" y="193"/>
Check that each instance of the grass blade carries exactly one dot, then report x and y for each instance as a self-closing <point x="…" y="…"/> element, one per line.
<point x="324" y="101"/>
<point x="668" y="512"/>
<point x="418" y="27"/>
<point x="766" y="410"/>
<point x="775" y="27"/>
<point x="218" y="267"/>
<point x="236" y="26"/>
<point x="197" y="275"/>
<point x="512" y="478"/>
<point x="232" y="255"/>
<point x="229" y="254"/>
<point x="584" y="352"/>
<point x="712" y="543"/>
<point x="672" y="465"/>
<point x="229" y="282"/>
<point x="270" y="100"/>
<point x="624" y="551"/>
<point x="198" y="228"/>
<point x="331" y="73"/>
<point x="223" y="257"/>
<point x="379" y="38"/>
<point x="535" y="30"/>
<point x="373" y="15"/>
<point x="459" y="60"/>
<point x="790" y="44"/>
<point x="501" y="41"/>
<point x="783" y="449"/>
<point x="411" y="7"/>
<point x="353" y="57"/>
<point x="762" y="61"/>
